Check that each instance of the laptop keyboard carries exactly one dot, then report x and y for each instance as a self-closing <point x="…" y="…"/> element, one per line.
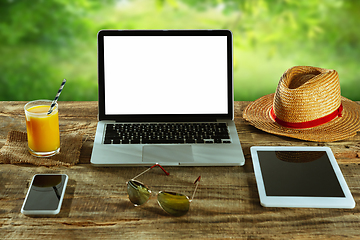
<point x="166" y="133"/>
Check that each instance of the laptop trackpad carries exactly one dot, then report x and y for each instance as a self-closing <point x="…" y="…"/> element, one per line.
<point x="171" y="153"/>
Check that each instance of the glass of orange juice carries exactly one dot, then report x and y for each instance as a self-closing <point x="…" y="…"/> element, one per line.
<point x="42" y="128"/>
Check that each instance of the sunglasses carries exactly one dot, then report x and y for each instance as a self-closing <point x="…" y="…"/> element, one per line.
<point x="175" y="204"/>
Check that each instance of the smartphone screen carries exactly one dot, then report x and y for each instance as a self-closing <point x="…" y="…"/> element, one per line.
<point x="45" y="194"/>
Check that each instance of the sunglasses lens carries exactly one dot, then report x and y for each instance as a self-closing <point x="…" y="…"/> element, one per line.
<point x="173" y="203"/>
<point x="138" y="193"/>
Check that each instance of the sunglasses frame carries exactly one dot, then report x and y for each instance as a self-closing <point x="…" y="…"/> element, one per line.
<point x="132" y="182"/>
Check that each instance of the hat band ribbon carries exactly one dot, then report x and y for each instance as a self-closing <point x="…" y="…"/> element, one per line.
<point x="308" y="124"/>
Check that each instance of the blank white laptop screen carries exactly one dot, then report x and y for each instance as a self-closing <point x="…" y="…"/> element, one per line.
<point x="165" y="75"/>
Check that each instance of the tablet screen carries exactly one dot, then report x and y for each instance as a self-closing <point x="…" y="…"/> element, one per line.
<point x="300" y="173"/>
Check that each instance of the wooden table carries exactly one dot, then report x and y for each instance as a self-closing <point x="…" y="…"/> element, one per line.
<point x="225" y="206"/>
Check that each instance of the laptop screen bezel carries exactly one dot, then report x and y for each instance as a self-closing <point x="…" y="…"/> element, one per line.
<point x="164" y="117"/>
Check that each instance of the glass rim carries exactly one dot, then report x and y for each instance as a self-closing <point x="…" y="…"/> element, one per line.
<point x="55" y="108"/>
<point x="174" y="194"/>
<point x="136" y="181"/>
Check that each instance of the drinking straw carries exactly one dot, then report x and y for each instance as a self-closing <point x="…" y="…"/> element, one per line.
<point x="56" y="97"/>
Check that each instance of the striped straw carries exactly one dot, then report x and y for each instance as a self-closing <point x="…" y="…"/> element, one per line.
<point x="57" y="96"/>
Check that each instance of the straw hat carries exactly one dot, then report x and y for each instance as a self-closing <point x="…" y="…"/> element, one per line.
<point x="307" y="105"/>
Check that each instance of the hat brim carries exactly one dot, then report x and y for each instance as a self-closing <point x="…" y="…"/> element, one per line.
<point x="258" y="114"/>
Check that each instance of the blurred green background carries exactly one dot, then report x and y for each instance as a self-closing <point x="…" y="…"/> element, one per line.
<point x="44" y="41"/>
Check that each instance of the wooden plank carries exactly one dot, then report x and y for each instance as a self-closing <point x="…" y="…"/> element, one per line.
<point x="82" y="117"/>
<point x="225" y="206"/>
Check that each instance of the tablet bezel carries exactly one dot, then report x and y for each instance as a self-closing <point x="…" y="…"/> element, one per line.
<point x="301" y="202"/>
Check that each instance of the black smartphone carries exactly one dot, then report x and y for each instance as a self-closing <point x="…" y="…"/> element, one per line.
<point x="45" y="194"/>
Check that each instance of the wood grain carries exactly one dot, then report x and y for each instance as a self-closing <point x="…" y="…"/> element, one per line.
<point x="225" y="206"/>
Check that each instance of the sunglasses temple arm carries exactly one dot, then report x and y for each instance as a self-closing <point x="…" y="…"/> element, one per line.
<point x="150" y="169"/>
<point x="142" y="173"/>
<point x="197" y="184"/>
<point x="161" y="168"/>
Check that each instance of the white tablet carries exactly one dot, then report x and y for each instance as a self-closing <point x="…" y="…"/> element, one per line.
<point x="305" y="177"/>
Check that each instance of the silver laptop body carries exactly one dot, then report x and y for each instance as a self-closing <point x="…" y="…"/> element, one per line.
<point x="172" y="80"/>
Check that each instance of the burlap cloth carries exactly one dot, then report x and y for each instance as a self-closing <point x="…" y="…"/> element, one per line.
<point x="15" y="150"/>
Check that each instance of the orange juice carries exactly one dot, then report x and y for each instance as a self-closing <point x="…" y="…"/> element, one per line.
<point x="42" y="129"/>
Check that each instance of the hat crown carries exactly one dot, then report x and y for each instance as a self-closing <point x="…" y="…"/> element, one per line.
<point x="307" y="93"/>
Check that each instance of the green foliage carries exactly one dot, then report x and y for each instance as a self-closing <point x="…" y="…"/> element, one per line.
<point x="48" y="23"/>
<point x="38" y="37"/>
<point x="44" y="41"/>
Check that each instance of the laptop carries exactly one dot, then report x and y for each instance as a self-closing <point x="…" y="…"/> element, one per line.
<point x="166" y="97"/>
